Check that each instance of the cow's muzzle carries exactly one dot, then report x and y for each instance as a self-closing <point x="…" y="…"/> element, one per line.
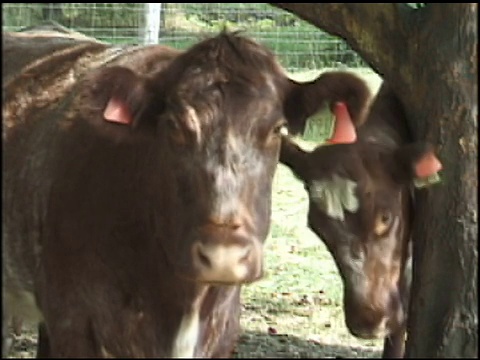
<point x="228" y="254"/>
<point x="375" y="319"/>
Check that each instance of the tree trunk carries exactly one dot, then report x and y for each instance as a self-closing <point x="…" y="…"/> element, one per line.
<point x="444" y="307"/>
<point x="429" y="56"/>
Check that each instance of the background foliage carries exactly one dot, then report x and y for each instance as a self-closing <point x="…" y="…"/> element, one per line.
<point x="298" y="44"/>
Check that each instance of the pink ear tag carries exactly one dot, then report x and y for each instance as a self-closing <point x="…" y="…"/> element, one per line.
<point x="426" y="170"/>
<point x="344" y="130"/>
<point x="116" y="111"/>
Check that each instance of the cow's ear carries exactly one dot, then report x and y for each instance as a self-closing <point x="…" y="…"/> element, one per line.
<point x="122" y="97"/>
<point x="294" y="157"/>
<point x="418" y="164"/>
<point x="304" y="100"/>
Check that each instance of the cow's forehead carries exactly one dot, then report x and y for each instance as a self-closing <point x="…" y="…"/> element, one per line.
<point x="230" y="81"/>
<point x="230" y="63"/>
<point x="349" y="186"/>
<point x="229" y="91"/>
<point x="226" y="110"/>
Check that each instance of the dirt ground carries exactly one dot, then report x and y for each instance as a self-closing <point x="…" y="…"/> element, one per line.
<point x="252" y="344"/>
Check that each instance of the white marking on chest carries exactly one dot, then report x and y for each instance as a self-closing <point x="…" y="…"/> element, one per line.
<point x="334" y="195"/>
<point x="187" y="335"/>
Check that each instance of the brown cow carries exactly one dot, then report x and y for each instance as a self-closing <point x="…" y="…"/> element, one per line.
<point x="360" y="205"/>
<point x="137" y="187"/>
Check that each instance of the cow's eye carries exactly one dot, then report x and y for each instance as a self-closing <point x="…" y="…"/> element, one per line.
<point x="383" y="222"/>
<point x="280" y="128"/>
<point x="277" y="131"/>
<point x="386" y="217"/>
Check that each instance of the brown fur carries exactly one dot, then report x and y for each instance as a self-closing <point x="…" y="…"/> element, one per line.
<point x="111" y="230"/>
<point x="372" y="265"/>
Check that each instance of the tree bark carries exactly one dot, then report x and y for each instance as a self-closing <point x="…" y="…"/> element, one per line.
<point x="429" y="56"/>
<point x="443" y="105"/>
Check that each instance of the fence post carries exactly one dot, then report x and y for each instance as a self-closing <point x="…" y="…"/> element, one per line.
<point x="152" y="23"/>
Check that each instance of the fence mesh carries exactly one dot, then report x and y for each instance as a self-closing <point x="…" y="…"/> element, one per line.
<point x="298" y="45"/>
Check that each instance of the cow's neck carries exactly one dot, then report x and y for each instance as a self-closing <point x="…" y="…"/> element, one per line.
<point x="386" y="125"/>
<point x="379" y="135"/>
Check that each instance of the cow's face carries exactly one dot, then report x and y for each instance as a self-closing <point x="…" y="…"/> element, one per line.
<point x="214" y="116"/>
<point x="359" y="211"/>
<point x="359" y="205"/>
<point x="223" y="136"/>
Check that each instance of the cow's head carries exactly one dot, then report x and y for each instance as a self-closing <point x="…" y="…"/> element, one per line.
<point x="209" y="126"/>
<point x="359" y="205"/>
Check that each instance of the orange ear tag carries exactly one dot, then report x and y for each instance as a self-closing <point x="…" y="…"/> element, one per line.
<point x="344" y="130"/>
<point x="426" y="171"/>
<point x="117" y="112"/>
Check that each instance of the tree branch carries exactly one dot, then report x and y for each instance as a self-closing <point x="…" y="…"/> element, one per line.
<point x="367" y="28"/>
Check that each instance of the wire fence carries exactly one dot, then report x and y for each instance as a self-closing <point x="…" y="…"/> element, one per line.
<point x="298" y="45"/>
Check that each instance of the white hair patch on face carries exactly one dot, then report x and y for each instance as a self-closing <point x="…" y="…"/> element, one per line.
<point x="334" y="195"/>
<point x="193" y="123"/>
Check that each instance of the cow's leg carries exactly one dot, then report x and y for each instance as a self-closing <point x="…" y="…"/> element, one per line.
<point x="394" y="345"/>
<point x="43" y="344"/>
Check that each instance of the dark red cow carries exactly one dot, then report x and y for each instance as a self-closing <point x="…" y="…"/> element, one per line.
<point x="137" y="187"/>
<point x="360" y="205"/>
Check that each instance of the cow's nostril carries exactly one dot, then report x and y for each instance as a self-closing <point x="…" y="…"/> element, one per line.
<point x="235" y="226"/>
<point x="246" y="255"/>
<point x="203" y="258"/>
